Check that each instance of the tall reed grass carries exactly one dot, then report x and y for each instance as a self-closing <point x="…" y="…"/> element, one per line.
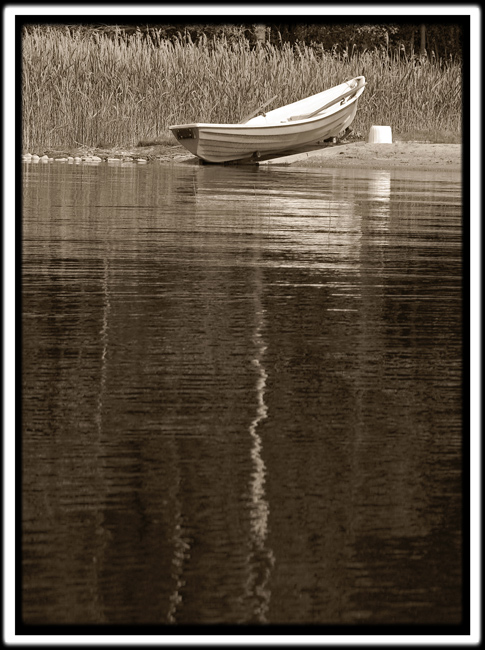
<point x="86" y="88"/>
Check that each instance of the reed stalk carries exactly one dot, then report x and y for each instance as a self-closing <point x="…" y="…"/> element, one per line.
<point x="86" y="88"/>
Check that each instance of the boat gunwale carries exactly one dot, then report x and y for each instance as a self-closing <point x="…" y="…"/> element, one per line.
<point x="254" y="127"/>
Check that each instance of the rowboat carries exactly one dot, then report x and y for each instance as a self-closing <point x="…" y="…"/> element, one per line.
<point x="295" y="125"/>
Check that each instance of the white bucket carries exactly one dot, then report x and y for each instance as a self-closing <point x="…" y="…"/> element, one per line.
<point x="380" y="134"/>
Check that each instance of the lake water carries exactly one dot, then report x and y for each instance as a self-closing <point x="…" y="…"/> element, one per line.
<point x="241" y="395"/>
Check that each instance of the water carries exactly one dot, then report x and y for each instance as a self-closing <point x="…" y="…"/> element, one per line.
<point x="241" y="395"/>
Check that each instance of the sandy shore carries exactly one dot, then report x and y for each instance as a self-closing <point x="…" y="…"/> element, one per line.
<point x="411" y="155"/>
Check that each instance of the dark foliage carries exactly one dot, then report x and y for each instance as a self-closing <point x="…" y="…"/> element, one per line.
<point x="437" y="40"/>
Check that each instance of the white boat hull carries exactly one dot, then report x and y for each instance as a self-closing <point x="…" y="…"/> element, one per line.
<point x="279" y="130"/>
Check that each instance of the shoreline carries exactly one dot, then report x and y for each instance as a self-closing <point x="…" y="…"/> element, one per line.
<point x="411" y="155"/>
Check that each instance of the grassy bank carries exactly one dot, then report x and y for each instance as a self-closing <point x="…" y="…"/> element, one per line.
<point x="88" y="89"/>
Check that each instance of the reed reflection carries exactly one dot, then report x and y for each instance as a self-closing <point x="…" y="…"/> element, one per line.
<point x="104" y="342"/>
<point x="181" y="548"/>
<point x="261" y="558"/>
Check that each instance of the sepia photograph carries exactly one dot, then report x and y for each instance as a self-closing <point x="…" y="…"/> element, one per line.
<point x="243" y="313"/>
